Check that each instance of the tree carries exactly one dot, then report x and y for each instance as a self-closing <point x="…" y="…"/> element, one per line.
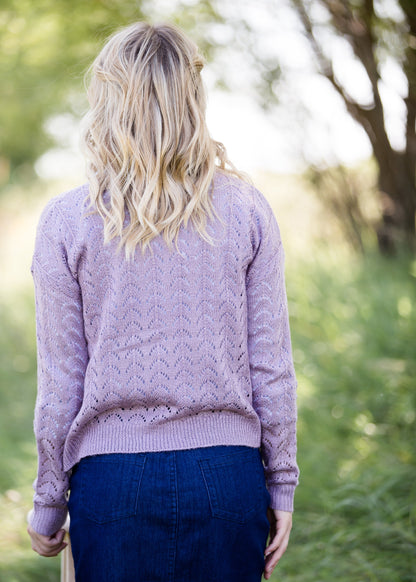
<point x="371" y="34"/>
<point x="47" y="45"/>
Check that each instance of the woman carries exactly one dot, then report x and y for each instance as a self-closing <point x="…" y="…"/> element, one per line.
<point x="166" y="389"/>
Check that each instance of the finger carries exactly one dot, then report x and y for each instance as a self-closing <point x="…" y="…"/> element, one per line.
<point x="273" y="545"/>
<point x="272" y="536"/>
<point x="43" y="545"/>
<point x="49" y="553"/>
<point x="49" y="543"/>
<point x="280" y="531"/>
<point x="276" y="541"/>
<point x="280" y="538"/>
<point x="269" y="568"/>
<point x="58" y="550"/>
<point x="55" y="549"/>
<point x="270" y="565"/>
<point x="58" y="537"/>
<point x="273" y="558"/>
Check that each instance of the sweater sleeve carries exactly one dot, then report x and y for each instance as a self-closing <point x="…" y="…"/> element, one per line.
<point x="270" y="355"/>
<point x="62" y="358"/>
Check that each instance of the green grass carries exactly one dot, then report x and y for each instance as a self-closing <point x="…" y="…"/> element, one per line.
<point x="18" y="563"/>
<point x="354" y="336"/>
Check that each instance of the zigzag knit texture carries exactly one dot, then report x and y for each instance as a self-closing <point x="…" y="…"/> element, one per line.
<point x="171" y="351"/>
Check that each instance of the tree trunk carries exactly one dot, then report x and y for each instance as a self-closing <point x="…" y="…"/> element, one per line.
<point x="398" y="200"/>
<point x="396" y="170"/>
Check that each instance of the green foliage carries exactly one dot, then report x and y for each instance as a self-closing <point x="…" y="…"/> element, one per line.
<point x="354" y="325"/>
<point x="46" y="47"/>
<point x="353" y="331"/>
<point x="17" y="390"/>
<point x="29" y="568"/>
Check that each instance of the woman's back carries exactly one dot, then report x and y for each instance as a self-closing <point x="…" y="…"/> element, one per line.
<point x="158" y="349"/>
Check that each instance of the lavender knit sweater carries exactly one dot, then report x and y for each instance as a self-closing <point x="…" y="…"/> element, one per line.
<point x="171" y="351"/>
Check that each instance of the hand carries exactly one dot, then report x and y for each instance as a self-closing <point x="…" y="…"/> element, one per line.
<point x="47" y="546"/>
<point x="280" y="526"/>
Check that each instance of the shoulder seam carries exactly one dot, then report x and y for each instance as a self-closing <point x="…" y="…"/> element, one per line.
<point x="59" y="210"/>
<point x="269" y="210"/>
<point x="51" y="281"/>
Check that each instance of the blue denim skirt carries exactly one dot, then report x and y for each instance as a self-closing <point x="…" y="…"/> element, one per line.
<point x="195" y="515"/>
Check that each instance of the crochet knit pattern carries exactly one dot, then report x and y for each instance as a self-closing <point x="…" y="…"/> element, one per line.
<point x="171" y="351"/>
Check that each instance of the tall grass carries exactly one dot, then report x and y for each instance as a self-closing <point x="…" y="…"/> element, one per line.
<point x="354" y="340"/>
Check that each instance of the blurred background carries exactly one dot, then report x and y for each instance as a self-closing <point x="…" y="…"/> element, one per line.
<point x="316" y="99"/>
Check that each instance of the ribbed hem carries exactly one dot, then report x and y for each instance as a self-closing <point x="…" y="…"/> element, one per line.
<point x="47" y="520"/>
<point x="202" y="430"/>
<point x="282" y="496"/>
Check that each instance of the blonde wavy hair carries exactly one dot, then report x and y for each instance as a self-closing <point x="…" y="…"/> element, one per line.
<point x="145" y="137"/>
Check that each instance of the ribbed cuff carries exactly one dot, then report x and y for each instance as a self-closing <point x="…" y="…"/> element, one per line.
<point x="47" y="520"/>
<point x="282" y="496"/>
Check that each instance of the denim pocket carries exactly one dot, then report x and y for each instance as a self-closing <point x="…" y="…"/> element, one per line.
<point x="235" y="484"/>
<point x="109" y="486"/>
